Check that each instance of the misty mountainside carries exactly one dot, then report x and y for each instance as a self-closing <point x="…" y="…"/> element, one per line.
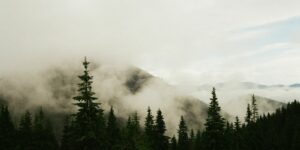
<point x="128" y="89"/>
<point x="234" y="96"/>
<point x="265" y="105"/>
<point x="247" y="85"/>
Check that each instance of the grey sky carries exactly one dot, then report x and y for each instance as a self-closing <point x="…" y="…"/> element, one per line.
<point x="184" y="42"/>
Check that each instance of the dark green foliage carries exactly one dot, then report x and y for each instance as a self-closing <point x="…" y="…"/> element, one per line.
<point x="25" y="134"/>
<point x="248" y="115"/>
<point x="161" y="141"/>
<point x="192" y="140"/>
<point x="254" y="110"/>
<point x="213" y="135"/>
<point x="183" y="139"/>
<point x="67" y="137"/>
<point x="7" y="129"/>
<point x="43" y="136"/>
<point x="173" y="145"/>
<point x="112" y="132"/>
<point x="197" y="143"/>
<point x="149" y="135"/>
<point x="237" y="123"/>
<point x="89" y="122"/>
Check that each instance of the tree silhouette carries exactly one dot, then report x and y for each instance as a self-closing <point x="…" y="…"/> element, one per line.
<point x="89" y="121"/>
<point x="183" y="139"/>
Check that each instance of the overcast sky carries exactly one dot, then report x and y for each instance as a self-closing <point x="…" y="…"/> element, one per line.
<point x="182" y="41"/>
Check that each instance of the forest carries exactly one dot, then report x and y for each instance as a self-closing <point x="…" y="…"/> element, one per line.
<point x="92" y="128"/>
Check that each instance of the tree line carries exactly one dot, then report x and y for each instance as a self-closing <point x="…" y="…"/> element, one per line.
<point x="89" y="129"/>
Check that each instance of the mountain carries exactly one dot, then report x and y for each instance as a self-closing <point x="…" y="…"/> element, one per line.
<point x="126" y="88"/>
<point x="237" y="107"/>
<point x="296" y="85"/>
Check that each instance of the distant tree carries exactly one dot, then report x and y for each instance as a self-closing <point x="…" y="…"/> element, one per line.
<point x="237" y="123"/>
<point x="161" y="141"/>
<point x="192" y="139"/>
<point x="25" y="132"/>
<point x="254" y="110"/>
<point x="7" y="129"/>
<point x="173" y="145"/>
<point x="43" y="136"/>
<point x="112" y="131"/>
<point x="183" y="139"/>
<point x="67" y="137"/>
<point x="89" y="122"/>
<point x="149" y="130"/>
<point x="248" y="115"/>
<point x="198" y="144"/>
<point x="213" y="136"/>
<point x="149" y="123"/>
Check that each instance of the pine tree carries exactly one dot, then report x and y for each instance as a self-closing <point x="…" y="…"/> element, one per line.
<point x="7" y="129"/>
<point x="192" y="139"/>
<point x="198" y="144"/>
<point x="214" y="125"/>
<point x="66" y="141"/>
<point x="237" y="123"/>
<point x="183" y="139"/>
<point x="149" y="123"/>
<point x="173" y="145"/>
<point x="136" y="123"/>
<point x="112" y="130"/>
<point x="25" y="132"/>
<point x="89" y="121"/>
<point x="43" y="136"/>
<point x="254" y="110"/>
<point x="149" y="130"/>
<point x="248" y="115"/>
<point x="161" y="141"/>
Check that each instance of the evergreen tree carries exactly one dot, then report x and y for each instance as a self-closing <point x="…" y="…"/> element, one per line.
<point x="254" y="110"/>
<point x="43" y="136"/>
<point x="214" y="125"/>
<point x="192" y="139"/>
<point x="149" y="123"/>
<point x="136" y="123"/>
<point x="149" y="130"/>
<point x="7" y="129"/>
<point x="173" y="145"/>
<point x="89" y="121"/>
<point x="237" y="123"/>
<point x="112" y="130"/>
<point x="183" y="139"/>
<point x="248" y="115"/>
<point x="67" y="137"/>
<point x="198" y="144"/>
<point x="25" y="132"/>
<point x="161" y="141"/>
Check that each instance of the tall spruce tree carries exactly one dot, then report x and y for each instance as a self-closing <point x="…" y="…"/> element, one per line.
<point x="214" y="125"/>
<point x="254" y="110"/>
<point x="89" y="121"/>
<point x="161" y="141"/>
<point x="183" y="139"/>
